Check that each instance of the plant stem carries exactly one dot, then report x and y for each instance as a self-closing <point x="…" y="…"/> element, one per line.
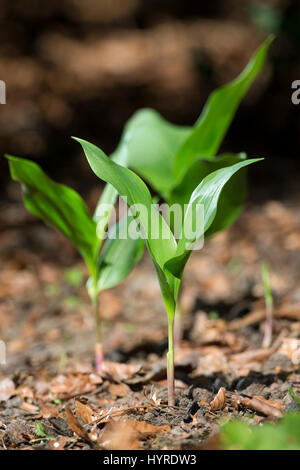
<point x="98" y="344"/>
<point x="178" y="324"/>
<point x="268" y="329"/>
<point x="170" y="363"/>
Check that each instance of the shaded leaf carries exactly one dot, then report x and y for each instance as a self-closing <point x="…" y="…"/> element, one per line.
<point x="57" y="205"/>
<point x="150" y="144"/>
<point x="207" y="194"/>
<point x="119" y="256"/>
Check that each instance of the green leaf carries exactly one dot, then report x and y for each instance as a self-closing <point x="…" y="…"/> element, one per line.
<point x="233" y="194"/>
<point x="130" y="186"/>
<point x="119" y="256"/>
<point x="149" y="143"/>
<point x="207" y="193"/>
<point x="284" y="435"/>
<point x="58" y="205"/>
<point x="294" y="396"/>
<point x="108" y="197"/>
<point x="39" y="429"/>
<point x="217" y="115"/>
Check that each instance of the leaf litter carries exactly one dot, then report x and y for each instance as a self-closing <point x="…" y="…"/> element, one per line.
<point x="221" y="370"/>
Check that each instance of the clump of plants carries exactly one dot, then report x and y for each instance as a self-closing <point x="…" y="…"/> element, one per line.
<point x="180" y="164"/>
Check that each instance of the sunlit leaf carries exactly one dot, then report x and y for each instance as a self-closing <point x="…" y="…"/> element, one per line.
<point x="129" y="185"/>
<point x="149" y="143"/>
<point x="217" y="115"/>
<point x="207" y="193"/>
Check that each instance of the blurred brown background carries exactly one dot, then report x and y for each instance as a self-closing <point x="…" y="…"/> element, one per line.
<point x="83" y="67"/>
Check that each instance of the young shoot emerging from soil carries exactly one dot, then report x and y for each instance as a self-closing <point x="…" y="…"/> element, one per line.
<point x="180" y="164"/>
<point x="169" y="256"/>
<point x="62" y="208"/>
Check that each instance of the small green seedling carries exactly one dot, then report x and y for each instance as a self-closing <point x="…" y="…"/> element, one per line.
<point x="62" y="208"/>
<point x="294" y="396"/>
<point x="173" y="159"/>
<point x="168" y="256"/>
<point x="42" y="436"/>
<point x="267" y="340"/>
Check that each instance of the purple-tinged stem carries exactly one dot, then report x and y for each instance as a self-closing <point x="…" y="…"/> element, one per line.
<point x="178" y="325"/>
<point x="268" y="329"/>
<point x="98" y="344"/>
<point x="170" y="365"/>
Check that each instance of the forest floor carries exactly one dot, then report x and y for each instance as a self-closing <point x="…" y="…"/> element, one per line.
<point x="50" y="394"/>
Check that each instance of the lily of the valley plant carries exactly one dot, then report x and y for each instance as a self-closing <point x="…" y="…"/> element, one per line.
<point x="168" y="256"/>
<point x="180" y="164"/>
<point x="173" y="159"/>
<point x="63" y="208"/>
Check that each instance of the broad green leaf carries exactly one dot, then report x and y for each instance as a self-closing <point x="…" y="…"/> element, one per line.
<point x="149" y="143"/>
<point x="283" y="435"/>
<point x="58" y="205"/>
<point x="108" y="196"/>
<point x="233" y="194"/>
<point x="208" y="194"/>
<point x="119" y="256"/>
<point x="130" y="186"/>
<point x="216" y="117"/>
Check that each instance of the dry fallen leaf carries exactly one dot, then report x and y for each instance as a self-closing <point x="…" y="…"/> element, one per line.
<point x="119" y="390"/>
<point x="119" y="435"/>
<point x="85" y="412"/>
<point x="125" y="435"/>
<point x="48" y="411"/>
<point x="291" y="348"/>
<point x="272" y="408"/>
<point x="218" y="402"/>
<point x="29" y="407"/>
<point x="69" y="385"/>
<point x="250" y="356"/>
<point x="75" y="425"/>
<point x="7" y="389"/>
<point x="120" y="371"/>
<point x="59" y="443"/>
<point x="146" y="429"/>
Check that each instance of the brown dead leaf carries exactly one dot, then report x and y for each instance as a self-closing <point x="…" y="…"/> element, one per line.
<point x="290" y="312"/>
<point x="29" y="407"/>
<point x="76" y="426"/>
<point x="25" y="392"/>
<point x="148" y="430"/>
<point x="7" y="388"/>
<point x="119" y="390"/>
<point x="59" y="443"/>
<point x="85" y="412"/>
<point x="218" y="402"/>
<point x="291" y="348"/>
<point x="48" y="411"/>
<point x="272" y="408"/>
<point x="250" y="356"/>
<point x="120" y="371"/>
<point x="119" y="435"/>
<point x="69" y="385"/>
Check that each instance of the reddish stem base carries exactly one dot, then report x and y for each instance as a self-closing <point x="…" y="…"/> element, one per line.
<point x="99" y="357"/>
